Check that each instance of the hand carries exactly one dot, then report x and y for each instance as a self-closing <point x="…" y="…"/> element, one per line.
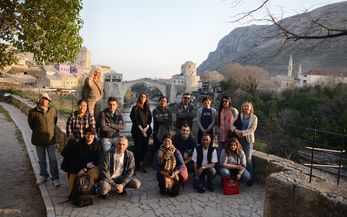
<point x="144" y="134"/>
<point x="119" y="188"/>
<point x="238" y="176"/>
<point x="80" y="173"/>
<point x="238" y="133"/>
<point x="239" y="167"/>
<point x="90" y="165"/>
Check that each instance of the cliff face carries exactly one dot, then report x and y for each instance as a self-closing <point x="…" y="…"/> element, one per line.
<point x="262" y="45"/>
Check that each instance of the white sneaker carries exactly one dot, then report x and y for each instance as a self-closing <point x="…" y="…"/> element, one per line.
<point x="56" y="183"/>
<point x="42" y="180"/>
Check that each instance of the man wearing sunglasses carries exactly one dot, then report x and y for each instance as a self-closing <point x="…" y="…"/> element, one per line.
<point x="186" y="112"/>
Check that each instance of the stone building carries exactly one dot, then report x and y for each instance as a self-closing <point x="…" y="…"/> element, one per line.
<point x="188" y="70"/>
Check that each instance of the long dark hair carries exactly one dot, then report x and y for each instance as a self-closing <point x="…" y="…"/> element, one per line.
<point x="147" y="104"/>
<point x="220" y="108"/>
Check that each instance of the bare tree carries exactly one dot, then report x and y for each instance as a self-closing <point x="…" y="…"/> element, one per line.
<point x="320" y="25"/>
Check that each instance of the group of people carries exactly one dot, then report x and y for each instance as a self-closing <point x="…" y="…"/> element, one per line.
<point x="96" y="147"/>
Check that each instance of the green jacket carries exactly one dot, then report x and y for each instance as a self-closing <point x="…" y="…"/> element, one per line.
<point x="42" y="125"/>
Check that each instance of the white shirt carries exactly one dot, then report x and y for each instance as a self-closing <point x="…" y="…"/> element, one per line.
<point x="204" y="157"/>
<point x="118" y="166"/>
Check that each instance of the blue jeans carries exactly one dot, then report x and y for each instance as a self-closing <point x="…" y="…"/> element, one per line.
<point x="53" y="165"/>
<point x="248" y="149"/>
<point x="210" y="173"/>
<point x="245" y="177"/>
<point x="106" y="143"/>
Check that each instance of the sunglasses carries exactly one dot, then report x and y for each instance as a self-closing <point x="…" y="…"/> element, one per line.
<point x="186" y="97"/>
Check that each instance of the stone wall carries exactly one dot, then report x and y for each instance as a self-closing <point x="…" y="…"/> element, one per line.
<point x="288" y="192"/>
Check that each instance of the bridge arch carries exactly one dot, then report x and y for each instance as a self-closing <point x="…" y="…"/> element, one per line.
<point x="159" y="85"/>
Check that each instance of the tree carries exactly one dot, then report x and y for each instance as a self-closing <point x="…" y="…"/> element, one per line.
<point x="48" y="29"/>
<point x="320" y="24"/>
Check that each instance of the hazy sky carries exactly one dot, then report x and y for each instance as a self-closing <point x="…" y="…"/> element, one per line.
<point x="153" y="38"/>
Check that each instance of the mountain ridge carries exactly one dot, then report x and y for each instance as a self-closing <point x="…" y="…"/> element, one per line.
<point x="260" y="45"/>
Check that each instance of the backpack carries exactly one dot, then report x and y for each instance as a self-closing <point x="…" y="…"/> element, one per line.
<point x="83" y="191"/>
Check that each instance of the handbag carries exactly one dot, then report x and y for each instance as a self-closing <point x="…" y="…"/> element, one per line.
<point x="183" y="175"/>
<point x="230" y="186"/>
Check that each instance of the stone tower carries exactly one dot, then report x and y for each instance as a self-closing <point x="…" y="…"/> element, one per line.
<point x="84" y="58"/>
<point x="188" y="70"/>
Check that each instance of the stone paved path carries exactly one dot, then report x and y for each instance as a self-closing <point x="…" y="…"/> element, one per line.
<point x="146" y="201"/>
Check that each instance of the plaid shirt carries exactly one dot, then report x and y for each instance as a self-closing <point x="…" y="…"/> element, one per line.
<point x="76" y="125"/>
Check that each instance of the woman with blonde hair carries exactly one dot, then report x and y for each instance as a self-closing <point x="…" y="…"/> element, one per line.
<point x="244" y="128"/>
<point x="93" y="89"/>
<point x="233" y="161"/>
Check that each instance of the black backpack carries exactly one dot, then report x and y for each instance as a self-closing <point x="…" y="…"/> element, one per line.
<point x="83" y="191"/>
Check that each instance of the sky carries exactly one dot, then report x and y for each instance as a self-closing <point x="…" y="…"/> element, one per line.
<point x="153" y="38"/>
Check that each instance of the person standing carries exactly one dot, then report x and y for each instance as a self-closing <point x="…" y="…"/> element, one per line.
<point x="42" y="121"/>
<point x="226" y="117"/>
<point x="244" y="128"/>
<point x="186" y="112"/>
<point x="206" y="119"/>
<point x="141" y="130"/>
<point x="162" y="119"/>
<point x="92" y="90"/>
<point x="79" y="121"/>
<point x="111" y="123"/>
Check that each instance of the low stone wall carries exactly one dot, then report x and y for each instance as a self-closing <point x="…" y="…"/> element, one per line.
<point x="288" y="191"/>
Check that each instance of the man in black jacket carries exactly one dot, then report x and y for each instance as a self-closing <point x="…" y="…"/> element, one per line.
<point x="117" y="169"/>
<point x="111" y="123"/>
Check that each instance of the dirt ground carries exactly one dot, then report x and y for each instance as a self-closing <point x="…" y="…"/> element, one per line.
<point x="19" y="194"/>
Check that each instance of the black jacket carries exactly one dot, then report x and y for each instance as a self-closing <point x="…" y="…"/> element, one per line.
<point x="77" y="155"/>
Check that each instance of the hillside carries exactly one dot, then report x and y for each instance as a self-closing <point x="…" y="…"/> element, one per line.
<point x="260" y="45"/>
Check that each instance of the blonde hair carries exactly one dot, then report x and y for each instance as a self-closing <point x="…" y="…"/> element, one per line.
<point x="91" y="73"/>
<point x="250" y="105"/>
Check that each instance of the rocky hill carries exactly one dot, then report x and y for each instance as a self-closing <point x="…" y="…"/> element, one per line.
<point x="261" y="45"/>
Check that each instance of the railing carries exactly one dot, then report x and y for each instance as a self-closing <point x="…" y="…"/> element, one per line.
<point x="314" y="148"/>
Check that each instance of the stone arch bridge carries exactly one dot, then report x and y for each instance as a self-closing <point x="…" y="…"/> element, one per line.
<point x="119" y="88"/>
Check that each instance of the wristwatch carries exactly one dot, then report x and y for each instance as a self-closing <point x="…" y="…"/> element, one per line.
<point x="203" y="167"/>
<point x="85" y="170"/>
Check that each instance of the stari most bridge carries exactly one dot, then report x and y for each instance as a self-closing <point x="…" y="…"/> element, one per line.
<point x="118" y="88"/>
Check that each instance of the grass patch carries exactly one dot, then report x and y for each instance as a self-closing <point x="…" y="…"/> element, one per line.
<point x="19" y="136"/>
<point x="6" y="114"/>
<point x="260" y="146"/>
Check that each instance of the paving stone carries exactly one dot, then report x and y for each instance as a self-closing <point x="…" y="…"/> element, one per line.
<point x="147" y="201"/>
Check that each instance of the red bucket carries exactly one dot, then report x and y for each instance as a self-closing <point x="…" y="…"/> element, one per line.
<point x="230" y="186"/>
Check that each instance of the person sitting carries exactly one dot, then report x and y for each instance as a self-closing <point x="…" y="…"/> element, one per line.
<point x="185" y="143"/>
<point x="168" y="163"/>
<point x="82" y="157"/>
<point x="117" y="168"/>
<point x="233" y="161"/>
<point x="205" y="159"/>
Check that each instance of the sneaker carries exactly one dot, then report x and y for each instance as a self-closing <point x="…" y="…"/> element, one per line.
<point x="56" y="183"/>
<point x="250" y="183"/>
<point x="42" y="180"/>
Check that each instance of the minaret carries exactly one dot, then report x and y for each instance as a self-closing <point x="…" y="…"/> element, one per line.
<point x="300" y="70"/>
<point x="290" y="66"/>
